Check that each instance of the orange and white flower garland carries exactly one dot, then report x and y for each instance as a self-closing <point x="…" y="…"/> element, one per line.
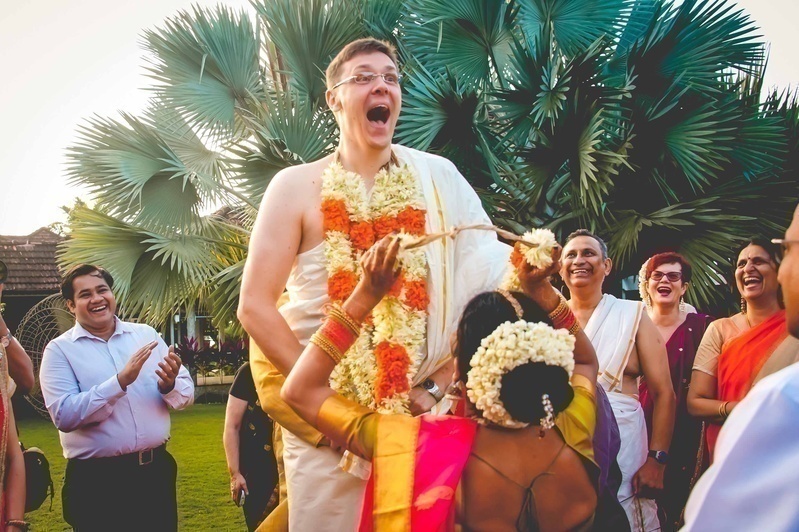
<point x="378" y="370"/>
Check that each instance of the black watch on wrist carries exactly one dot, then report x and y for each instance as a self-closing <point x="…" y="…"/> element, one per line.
<point x="661" y="457"/>
<point x="432" y="388"/>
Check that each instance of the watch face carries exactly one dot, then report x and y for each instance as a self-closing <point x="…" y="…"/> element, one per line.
<point x="428" y="385"/>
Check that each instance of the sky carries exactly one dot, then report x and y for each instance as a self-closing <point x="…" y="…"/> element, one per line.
<point x="64" y="61"/>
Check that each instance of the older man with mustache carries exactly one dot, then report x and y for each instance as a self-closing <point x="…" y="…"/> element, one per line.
<point x="628" y="347"/>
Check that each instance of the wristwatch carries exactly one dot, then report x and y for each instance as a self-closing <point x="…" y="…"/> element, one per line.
<point x="430" y="386"/>
<point x="661" y="457"/>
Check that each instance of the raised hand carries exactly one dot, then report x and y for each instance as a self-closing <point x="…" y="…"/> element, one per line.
<point x="168" y="371"/>
<point x="535" y="279"/>
<point x="130" y="372"/>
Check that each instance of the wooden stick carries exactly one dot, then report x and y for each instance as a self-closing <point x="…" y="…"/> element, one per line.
<point x="452" y="233"/>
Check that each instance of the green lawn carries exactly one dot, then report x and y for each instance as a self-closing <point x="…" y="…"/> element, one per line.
<point x="203" y="499"/>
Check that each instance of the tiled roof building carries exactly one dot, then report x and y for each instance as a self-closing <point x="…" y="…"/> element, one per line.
<point x="31" y="262"/>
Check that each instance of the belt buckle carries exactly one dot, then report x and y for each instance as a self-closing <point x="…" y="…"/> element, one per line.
<point x="145" y="457"/>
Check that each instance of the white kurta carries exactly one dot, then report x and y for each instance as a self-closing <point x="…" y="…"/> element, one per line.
<point x="322" y="497"/>
<point x="752" y="482"/>
<point x="612" y="330"/>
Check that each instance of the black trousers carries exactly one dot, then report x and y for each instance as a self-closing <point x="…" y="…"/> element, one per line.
<point x="103" y="494"/>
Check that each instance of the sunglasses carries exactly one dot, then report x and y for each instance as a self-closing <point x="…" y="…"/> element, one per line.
<point x="673" y="277"/>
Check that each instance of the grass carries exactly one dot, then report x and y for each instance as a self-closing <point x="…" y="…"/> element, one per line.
<point x="203" y="498"/>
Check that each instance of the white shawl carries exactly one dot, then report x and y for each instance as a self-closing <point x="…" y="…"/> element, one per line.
<point x="612" y="329"/>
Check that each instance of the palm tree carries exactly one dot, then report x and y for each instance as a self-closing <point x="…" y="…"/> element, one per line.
<point x="643" y="120"/>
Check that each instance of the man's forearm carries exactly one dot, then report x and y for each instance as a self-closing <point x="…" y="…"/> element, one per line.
<point x="269" y="330"/>
<point x="662" y="420"/>
<point x="268" y="382"/>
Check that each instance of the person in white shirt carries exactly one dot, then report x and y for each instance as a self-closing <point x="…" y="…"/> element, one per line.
<point x="752" y="482"/>
<point x="108" y="385"/>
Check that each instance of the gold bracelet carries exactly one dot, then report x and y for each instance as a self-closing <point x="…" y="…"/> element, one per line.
<point x="327" y="346"/>
<point x="341" y="316"/>
<point x="722" y="412"/>
<point x="574" y="329"/>
<point x="560" y="310"/>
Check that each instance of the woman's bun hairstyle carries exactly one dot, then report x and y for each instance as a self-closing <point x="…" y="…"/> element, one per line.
<point x="523" y="388"/>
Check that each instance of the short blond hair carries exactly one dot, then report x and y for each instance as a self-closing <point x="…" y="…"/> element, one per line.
<point x="355" y="48"/>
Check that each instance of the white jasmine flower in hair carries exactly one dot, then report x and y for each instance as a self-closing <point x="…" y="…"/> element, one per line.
<point x="509" y="346"/>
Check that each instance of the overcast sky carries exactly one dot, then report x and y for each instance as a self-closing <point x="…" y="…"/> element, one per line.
<point x="63" y="61"/>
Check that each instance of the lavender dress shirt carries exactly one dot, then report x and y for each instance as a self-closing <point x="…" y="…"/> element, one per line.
<point x="94" y="416"/>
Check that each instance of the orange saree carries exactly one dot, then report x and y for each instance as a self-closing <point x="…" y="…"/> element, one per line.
<point x="742" y="359"/>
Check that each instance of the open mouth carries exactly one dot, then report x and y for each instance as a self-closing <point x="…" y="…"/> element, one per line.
<point x="752" y="281"/>
<point x="664" y="291"/>
<point x="379" y="114"/>
<point x="579" y="272"/>
<point x="99" y="309"/>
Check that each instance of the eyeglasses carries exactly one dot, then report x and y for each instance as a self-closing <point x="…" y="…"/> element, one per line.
<point x="784" y="243"/>
<point x="673" y="277"/>
<point x="365" y="78"/>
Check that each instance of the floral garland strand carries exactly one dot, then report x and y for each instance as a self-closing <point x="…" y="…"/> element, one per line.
<point x="539" y="256"/>
<point x="378" y="370"/>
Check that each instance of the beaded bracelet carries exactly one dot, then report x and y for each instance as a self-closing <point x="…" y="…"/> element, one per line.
<point x="18" y="524"/>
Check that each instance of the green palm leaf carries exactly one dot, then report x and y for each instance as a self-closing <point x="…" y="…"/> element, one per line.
<point x="307" y="35"/>
<point x="205" y="64"/>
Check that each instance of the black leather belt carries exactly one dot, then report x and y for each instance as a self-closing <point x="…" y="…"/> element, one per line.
<point x="139" y="458"/>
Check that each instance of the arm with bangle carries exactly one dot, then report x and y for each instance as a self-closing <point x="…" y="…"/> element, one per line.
<point x="308" y="385"/>
<point x="537" y="286"/>
<point x="20" y="366"/>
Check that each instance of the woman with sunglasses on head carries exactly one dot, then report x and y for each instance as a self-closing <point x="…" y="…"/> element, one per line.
<point x="526" y="391"/>
<point x="664" y="281"/>
<point x="735" y="351"/>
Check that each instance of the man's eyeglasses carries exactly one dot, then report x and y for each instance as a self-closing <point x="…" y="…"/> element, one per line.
<point x="364" y="78"/>
<point x="673" y="277"/>
<point x="784" y="243"/>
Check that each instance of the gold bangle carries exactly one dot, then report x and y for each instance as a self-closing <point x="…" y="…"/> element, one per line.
<point x="338" y="314"/>
<point x="574" y="329"/>
<point x="327" y="346"/>
<point x="560" y="310"/>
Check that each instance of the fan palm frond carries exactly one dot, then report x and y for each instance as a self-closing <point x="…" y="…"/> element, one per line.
<point x="205" y="64"/>
<point x="307" y="35"/>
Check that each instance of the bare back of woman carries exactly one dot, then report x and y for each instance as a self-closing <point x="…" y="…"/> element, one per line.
<point x="516" y="480"/>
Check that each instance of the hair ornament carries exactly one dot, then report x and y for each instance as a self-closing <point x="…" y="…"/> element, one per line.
<point x="509" y="346"/>
<point x="548" y="421"/>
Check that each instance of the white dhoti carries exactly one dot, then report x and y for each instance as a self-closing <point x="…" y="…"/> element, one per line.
<point x="612" y="329"/>
<point x="642" y="513"/>
<point x="321" y="495"/>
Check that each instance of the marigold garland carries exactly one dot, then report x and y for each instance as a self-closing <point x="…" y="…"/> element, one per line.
<point x="378" y="370"/>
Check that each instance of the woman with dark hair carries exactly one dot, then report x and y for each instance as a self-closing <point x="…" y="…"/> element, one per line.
<point x="496" y="466"/>
<point x="664" y="281"/>
<point x="734" y="350"/>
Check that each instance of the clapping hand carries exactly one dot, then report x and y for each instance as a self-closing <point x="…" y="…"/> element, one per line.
<point x="168" y="371"/>
<point x="130" y="372"/>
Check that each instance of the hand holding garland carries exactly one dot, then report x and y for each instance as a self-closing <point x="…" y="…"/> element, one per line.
<point x="308" y="385"/>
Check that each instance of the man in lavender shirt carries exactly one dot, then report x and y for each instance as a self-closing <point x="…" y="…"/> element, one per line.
<point x="108" y="385"/>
